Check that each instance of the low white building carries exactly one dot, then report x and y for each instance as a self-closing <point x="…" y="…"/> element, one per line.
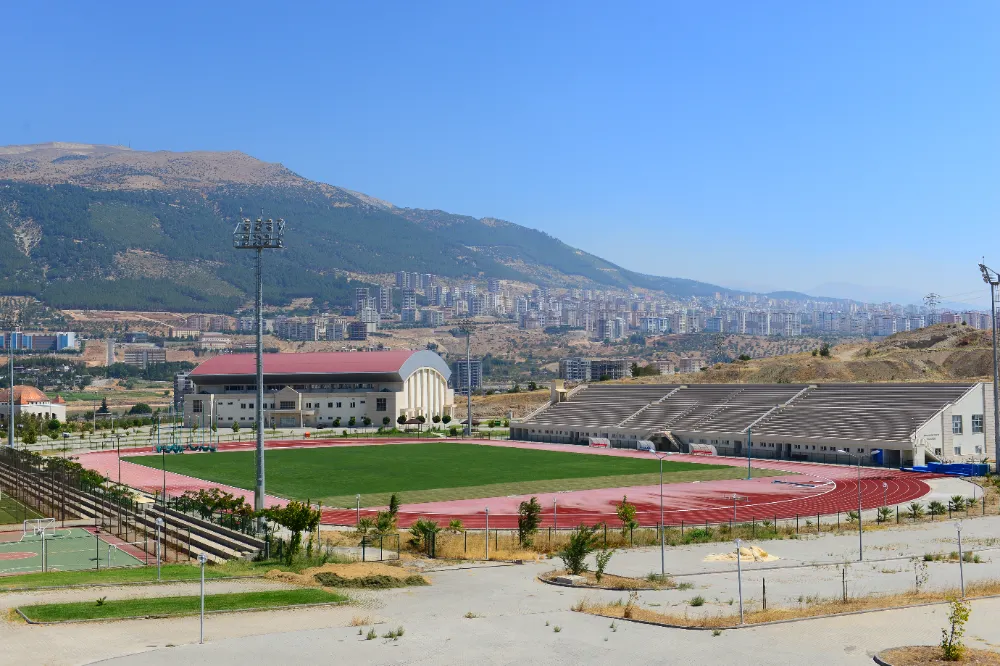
<point x="29" y="400"/>
<point x="316" y="389"/>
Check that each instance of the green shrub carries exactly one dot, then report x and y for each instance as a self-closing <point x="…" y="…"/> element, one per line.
<point x="529" y="517"/>
<point x="697" y="601"/>
<point x="582" y="542"/>
<point x="603" y="557"/>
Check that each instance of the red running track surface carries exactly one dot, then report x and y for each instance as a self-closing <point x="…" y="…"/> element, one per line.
<point x="808" y="490"/>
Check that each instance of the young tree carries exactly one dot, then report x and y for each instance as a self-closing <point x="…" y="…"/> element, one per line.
<point x="529" y="517"/>
<point x="296" y="517"/>
<point x="401" y="419"/>
<point x="386" y="420"/>
<point x="446" y="419"/>
<point x="532" y="386"/>
<point x="824" y="350"/>
<point x="394" y="506"/>
<point x="626" y="514"/>
<point x="951" y="636"/>
<point x="352" y="422"/>
<point x="436" y="419"/>
<point x="104" y="407"/>
<point x="236" y="426"/>
<point x="582" y="543"/>
<point x="367" y="421"/>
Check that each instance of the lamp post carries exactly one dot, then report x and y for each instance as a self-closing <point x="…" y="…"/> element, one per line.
<point x="159" y="525"/>
<point x="358" y="498"/>
<point x="991" y="278"/>
<point x="202" y="558"/>
<point x="119" y="436"/>
<point x="487" y="534"/>
<point x="885" y="488"/>
<point x="961" y="571"/>
<point x="739" y="577"/>
<point x="861" y="552"/>
<point x="749" y="442"/>
<point x="663" y="549"/>
<point x="259" y="236"/>
<point x="555" y="513"/>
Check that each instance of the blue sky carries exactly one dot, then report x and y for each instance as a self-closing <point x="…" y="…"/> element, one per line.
<point x="769" y="145"/>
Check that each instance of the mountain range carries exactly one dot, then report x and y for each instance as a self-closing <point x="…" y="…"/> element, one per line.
<point x="91" y="226"/>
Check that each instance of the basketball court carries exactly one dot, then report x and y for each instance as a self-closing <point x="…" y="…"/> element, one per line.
<point x="65" y="549"/>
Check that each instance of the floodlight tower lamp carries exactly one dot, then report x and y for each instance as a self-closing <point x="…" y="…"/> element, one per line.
<point x="991" y="278"/>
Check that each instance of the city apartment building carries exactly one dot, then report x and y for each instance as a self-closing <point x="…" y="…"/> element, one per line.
<point x="38" y="341"/>
<point x="316" y="389"/>
<point x="460" y="377"/>
<point x="691" y="364"/>
<point x="142" y="355"/>
<point x="609" y="368"/>
<point x="575" y="369"/>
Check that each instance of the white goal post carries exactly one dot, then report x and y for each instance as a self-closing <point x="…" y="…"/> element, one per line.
<point x="36" y="526"/>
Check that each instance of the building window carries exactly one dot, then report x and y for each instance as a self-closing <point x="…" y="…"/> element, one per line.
<point x="329" y="405"/>
<point x="956" y="425"/>
<point x="243" y="405"/>
<point x="380" y="404"/>
<point x="958" y="450"/>
<point x="338" y="405"/>
<point x="977" y="423"/>
<point x="309" y="405"/>
<point x="196" y="406"/>
<point x="352" y="404"/>
<point x="288" y="404"/>
<point x="979" y="449"/>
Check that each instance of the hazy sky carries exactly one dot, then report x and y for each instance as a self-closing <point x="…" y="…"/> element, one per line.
<point x="768" y="145"/>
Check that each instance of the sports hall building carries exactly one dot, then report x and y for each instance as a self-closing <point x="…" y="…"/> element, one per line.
<point x="314" y="389"/>
<point x="885" y="424"/>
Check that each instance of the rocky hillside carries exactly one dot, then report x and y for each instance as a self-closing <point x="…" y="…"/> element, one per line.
<point x="106" y="227"/>
<point x="941" y="353"/>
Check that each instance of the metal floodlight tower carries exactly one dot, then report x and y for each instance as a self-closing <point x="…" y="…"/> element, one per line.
<point x="467" y="329"/>
<point x="991" y="278"/>
<point x="259" y="235"/>
<point x="10" y="394"/>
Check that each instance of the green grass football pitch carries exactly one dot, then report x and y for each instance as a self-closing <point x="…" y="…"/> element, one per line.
<point x="431" y="472"/>
<point x="66" y="549"/>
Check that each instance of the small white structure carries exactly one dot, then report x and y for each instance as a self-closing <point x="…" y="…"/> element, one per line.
<point x="29" y="400"/>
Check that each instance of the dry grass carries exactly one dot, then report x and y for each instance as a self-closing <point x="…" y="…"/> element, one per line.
<point x="361" y="621"/>
<point x="925" y="654"/>
<point x="818" y="608"/>
<point x="613" y="582"/>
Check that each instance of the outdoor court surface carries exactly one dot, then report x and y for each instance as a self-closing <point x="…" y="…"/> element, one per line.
<point x="66" y="549"/>
<point x="808" y="490"/>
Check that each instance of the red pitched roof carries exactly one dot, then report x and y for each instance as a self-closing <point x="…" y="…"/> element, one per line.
<point x="23" y="395"/>
<point x="309" y="362"/>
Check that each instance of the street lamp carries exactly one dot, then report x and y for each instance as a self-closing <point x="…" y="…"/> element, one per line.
<point x="119" y="458"/>
<point x="555" y="514"/>
<point x="358" y="498"/>
<point x="739" y="577"/>
<point x="861" y="555"/>
<point x="885" y="488"/>
<point x="663" y="550"/>
<point x="749" y="442"/>
<point x="202" y="558"/>
<point x="991" y="278"/>
<point x="487" y="534"/>
<point x="961" y="571"/>
<point x="159" y="525"/>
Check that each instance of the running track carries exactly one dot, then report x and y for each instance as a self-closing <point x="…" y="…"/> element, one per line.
<point x="810" y="489"/>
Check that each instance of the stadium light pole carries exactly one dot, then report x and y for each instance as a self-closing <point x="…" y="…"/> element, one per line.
<point x="10" y="394"/>
<point x="663" y="550"/>
<point x="258" y="236"/>
<point x="861" y="551"/>
<point x="991" y="278"/>
<point x="749" y="440"/>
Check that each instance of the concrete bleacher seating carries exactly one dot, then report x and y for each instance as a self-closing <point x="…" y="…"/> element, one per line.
<point x="844" y="411"/>
<point x="861" y="411"/>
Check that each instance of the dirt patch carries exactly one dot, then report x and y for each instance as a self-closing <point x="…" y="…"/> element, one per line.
<point x="613" y="582"/>
<point x="926" y="654"/>
<point x="343" y="572"/>
<point x="747" y="554"/>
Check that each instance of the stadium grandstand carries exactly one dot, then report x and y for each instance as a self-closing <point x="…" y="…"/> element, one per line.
<point x="883" y="424"/>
